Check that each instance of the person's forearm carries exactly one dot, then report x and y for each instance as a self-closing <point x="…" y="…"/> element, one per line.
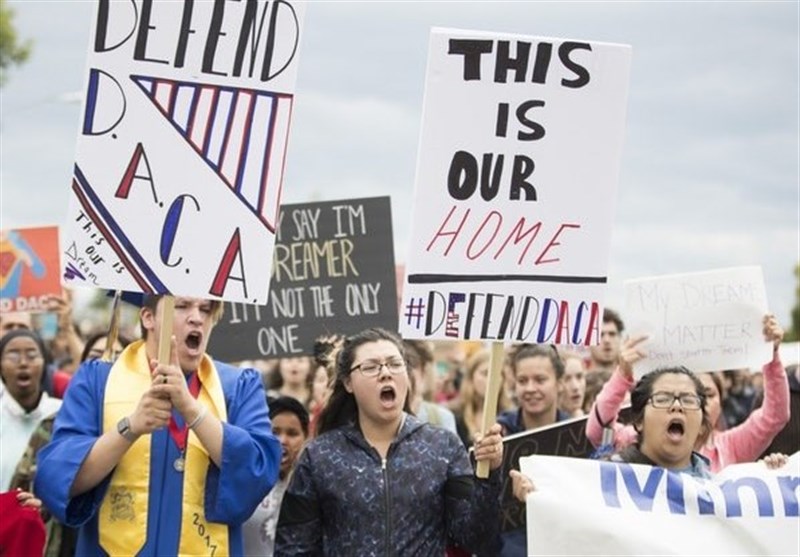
<point x="209" y="432"/>
<point x="106" y="453"/>
<point x="74" y="347"/>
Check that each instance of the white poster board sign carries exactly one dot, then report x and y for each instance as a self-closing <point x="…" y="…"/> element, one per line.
<point x="706" y="321"/>
<point x="180" y="153"/>
<point x="515" y="189"/>
<point x="591" y="507"/>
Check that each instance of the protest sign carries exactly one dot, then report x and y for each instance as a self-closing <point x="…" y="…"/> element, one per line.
<point x="333" y="273"/>
<point x="30" y="269"/>
<point x="567" y="438"/>
<point x="515" y="188"/>
<point x="705" y="321"/>
<point x="590" y="507"/>
<point x="180" y="154"/>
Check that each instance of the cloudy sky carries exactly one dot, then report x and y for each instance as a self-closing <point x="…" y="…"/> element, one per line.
<point x="709" y="174"/>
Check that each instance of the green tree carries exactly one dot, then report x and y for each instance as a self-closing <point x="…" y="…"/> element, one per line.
<point x="12" y="49"/>
<point x="793" y="333"/>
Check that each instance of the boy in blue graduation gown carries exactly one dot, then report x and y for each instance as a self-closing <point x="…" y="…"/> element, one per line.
<point x="161" y="459"/>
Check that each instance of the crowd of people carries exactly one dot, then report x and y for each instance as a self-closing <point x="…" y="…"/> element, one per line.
<point x="368" y="446"/>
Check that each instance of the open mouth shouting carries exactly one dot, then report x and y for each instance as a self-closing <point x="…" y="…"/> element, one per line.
<point x="24" y="380"/>
<point x="194" y="341"/>
<point x="388" y="396"/>
<point x="676" y="429"/>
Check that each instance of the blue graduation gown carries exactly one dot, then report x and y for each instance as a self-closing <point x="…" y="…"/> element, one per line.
<point x="250" y="463"/>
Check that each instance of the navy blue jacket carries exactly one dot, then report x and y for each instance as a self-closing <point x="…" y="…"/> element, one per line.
<point x="343" y="499"/>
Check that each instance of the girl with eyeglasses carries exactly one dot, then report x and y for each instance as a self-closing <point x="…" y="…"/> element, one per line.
<point x="744" y="443"/>
<point x="377" y="481"/>
<point x="668" y="412"/>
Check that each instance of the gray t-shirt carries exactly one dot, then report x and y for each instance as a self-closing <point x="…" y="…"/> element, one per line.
<point x="259" y="530"/>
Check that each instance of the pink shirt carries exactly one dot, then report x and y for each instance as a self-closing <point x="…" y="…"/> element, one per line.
<point x="743" y="443"/>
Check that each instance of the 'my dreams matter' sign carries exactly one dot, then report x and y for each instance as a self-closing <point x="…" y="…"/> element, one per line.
<point x="515" y="189"/>
<point x="180" y="156"/>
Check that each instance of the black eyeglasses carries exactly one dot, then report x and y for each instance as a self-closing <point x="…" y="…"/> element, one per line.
<point x="371" y="368"/>
<point x="664" y="400"/>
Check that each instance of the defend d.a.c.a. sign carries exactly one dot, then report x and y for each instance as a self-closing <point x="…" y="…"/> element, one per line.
<point x="182" y="142"/>
<point x="333" y="273"/>
<point x="515" y="189"/>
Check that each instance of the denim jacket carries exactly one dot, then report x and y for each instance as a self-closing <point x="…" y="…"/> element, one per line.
<point x="343" y="499"/>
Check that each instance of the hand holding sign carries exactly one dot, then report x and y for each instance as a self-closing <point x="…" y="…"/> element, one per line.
<point x="489" y="447"/>
<point x="632" y="351"/>
<point x="773" y="332"/>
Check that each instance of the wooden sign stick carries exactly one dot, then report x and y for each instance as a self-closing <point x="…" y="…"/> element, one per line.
<point x="165" y="338"/>
<point x="494" y="382"/>
<point x="113" y="329"/>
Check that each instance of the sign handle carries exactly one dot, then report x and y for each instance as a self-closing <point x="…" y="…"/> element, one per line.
<point x="494" y="382"/>
<point x="113" y="329"/>
<point x="165" y="338"/>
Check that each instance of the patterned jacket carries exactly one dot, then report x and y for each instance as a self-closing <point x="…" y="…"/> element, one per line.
<point x="60" y="539"/>
<point x="343" y="499"/>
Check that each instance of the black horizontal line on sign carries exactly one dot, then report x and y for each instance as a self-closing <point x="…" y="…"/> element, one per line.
<point x="434" y="278"/>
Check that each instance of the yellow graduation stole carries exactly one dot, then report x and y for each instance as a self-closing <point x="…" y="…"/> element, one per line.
<point x="123" y="512"/>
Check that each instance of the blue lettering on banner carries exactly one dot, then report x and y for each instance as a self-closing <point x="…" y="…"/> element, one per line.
<point x="731" y="492"/>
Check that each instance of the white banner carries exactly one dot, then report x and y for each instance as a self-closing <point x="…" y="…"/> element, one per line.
<point x="589" y="507"/>
<point x="179" y="163"/>
<point x="706" y="321"/>
<point x="515" y="188"/>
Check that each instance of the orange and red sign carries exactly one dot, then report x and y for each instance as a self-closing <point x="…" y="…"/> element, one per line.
<point x="29" y="268"/>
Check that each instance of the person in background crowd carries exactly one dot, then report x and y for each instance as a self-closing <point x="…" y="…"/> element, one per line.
<point x="22" y="531"/>
<point x="67" y="341"/>
<point x="537" y="370"/>
<point x="290" y="426"/>
<point x="573" y="384"/>
<point x="96" y="345"/>
<point x="606" y="355"/>
<point x="325" y="350"/>
<point x="744" y="443"/>
<point x="469" y="420"/>
<point x="67" y="345"/>
<point x="294" y="379"/>
<point x="787" y="440"/>
<point x="449" y="370"/>
<point x="594" y="383"/>
<point x="61" y="540"/>
<point x="14" y="320"/>
<point x="377" y="481"/>
<point x="419" y="357"/>
<point x="145" y="456"/>
<point x="739" y="395"/>
<point x="11" y="321"/>
<point x="92" y="350"/>
<point x="320" y="388"/>
<point x="23" y="403"/>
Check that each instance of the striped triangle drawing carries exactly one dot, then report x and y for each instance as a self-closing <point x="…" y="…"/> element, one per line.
<point x="241" y="134"/>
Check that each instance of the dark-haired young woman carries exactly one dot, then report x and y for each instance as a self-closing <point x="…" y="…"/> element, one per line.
<point x="744" y="443"/>
<point x="375" y="480"/>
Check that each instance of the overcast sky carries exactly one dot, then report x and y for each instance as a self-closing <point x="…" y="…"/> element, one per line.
<point x="709" y="174"/>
